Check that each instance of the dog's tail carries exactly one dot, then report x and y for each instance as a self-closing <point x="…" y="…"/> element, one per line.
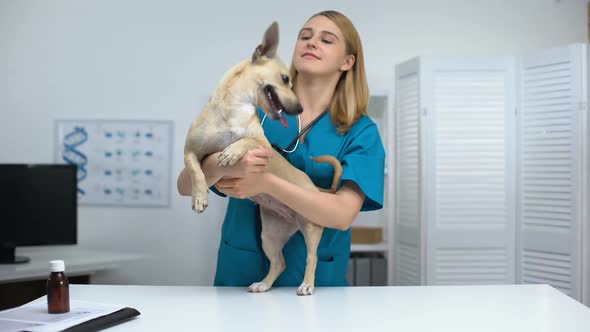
<point x="337" y="171"/>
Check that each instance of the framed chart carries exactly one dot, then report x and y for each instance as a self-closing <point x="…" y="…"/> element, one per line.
<point x="120" y="162"/>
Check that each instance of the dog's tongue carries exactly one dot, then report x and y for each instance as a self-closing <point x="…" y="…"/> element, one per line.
<point x="283" y="121"/>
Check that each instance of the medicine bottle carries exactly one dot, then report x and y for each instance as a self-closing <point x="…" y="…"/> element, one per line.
<point x="58" y="289"/>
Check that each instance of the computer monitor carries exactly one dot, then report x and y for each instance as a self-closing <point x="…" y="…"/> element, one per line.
<point x="38" y="206"/>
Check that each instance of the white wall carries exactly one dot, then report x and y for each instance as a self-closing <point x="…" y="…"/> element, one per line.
<point x="160" y="60"/>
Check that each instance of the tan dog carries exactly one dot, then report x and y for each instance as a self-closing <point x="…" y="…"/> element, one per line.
<point x="229" y="123"/>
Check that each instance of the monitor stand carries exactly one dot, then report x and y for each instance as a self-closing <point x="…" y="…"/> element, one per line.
<point x="7" y="255"/>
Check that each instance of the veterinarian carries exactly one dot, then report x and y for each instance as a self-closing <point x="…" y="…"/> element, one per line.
<point x="328" y="76"/>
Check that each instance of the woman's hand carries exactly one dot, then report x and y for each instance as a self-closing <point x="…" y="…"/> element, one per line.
<point x="247" y="177"/>
<point x="250" y="185"/>
<point x="254" y="161"/>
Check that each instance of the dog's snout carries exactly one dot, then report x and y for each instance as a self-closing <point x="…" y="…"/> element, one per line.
<point x="294" y="109"/>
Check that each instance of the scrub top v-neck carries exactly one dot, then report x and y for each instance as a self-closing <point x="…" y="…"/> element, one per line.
<point x="241" y="260"/>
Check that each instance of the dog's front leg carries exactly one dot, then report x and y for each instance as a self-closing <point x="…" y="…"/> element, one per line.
<point x="198" y="182"/>
<point x="235" y="151"/>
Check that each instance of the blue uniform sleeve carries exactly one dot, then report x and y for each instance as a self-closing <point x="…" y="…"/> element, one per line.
<point x="364" y="163"/>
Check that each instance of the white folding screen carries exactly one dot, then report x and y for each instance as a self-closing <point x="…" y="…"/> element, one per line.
<point x="489" y="169"/>
<point x="552" y="101"/>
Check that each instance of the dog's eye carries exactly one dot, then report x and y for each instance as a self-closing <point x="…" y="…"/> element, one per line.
<point x="285" y="78"/>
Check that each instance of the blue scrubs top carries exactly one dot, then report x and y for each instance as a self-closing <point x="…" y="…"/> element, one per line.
<point x="241" y="260"/>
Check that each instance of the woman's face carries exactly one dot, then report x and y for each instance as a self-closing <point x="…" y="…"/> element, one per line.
<point x="321" y="49"/>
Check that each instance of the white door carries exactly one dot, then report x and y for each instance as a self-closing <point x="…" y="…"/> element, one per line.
<point x="549" y="184"/>
<point x="469" y="169"/>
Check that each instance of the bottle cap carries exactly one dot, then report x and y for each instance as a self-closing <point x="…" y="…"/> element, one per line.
<point x="57" y="266"/>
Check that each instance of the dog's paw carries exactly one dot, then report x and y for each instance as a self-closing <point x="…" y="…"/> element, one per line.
<point x="258" y="287"/>
<point x="230" y="156"/>
<point x="305" y="289"/>
<point x="199" y="201"/>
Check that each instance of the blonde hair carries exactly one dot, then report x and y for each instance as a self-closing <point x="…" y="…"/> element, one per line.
<point x="351" y="96"/>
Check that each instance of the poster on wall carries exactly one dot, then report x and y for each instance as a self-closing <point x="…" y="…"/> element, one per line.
<point x="120" y="162"/>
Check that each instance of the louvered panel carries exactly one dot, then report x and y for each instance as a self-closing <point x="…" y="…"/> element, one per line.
<point x="549" y="211"/>
<point x="461" y="266"/>
<point x="470" y="147"/>
<point x="408" y="267"/>
<point x="408" y="154"/>
<point x="546" y="137"/>
<point x="407" y="226"/>
<point x="471" y="224"/>
<point x="540" y="267"/>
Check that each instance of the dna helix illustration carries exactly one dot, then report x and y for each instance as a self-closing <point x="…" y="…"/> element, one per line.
<point x="73" y="156"/>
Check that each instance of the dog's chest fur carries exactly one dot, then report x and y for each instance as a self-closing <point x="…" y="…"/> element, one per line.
<point x="243" y="123"/>
<point x="227" y="130"/>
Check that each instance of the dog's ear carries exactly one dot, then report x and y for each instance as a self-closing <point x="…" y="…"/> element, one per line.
<point x="269" y="45"/>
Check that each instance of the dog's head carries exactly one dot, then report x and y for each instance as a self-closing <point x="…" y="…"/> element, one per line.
<point x="274" y="94"/>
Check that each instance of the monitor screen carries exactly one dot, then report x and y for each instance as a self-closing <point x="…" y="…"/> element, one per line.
<point x="39" y="204"/>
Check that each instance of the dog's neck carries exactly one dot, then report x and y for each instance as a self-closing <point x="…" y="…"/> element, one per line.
<point x="239" y="116"/>
<point x="235" y="101"/>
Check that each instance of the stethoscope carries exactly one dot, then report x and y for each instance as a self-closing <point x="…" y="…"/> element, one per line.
<point x="297" y="138"/>
<point x="295" y="142"/>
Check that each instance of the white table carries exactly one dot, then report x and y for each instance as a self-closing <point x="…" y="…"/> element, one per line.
<point x="500" y="308"/>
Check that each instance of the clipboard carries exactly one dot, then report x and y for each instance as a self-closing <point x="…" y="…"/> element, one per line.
<point x="106" y="321"/>
<point x="84" y="316"/>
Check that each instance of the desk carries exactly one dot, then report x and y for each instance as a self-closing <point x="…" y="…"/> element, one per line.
<point x="78" y="262"/>
<point x="501" y="308"/>
<point x="21" y="283"/>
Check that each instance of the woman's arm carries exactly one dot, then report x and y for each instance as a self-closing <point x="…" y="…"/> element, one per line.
<point x="337" y="210"/>
<point x="254" y="161"/>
